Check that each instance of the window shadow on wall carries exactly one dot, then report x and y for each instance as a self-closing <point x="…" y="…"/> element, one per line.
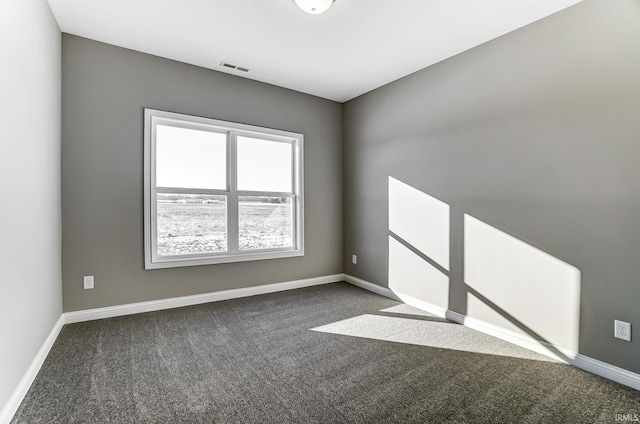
<point x="418" y="245"/>
<point x="509" y="284"/>
<point x="518" y="287"/>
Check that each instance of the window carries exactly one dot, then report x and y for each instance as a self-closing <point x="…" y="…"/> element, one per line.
<point x="219" y="191"/>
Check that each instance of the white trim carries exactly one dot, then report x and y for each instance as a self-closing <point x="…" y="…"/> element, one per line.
<point x="586" y="363"/>
<point x="556" y="352"/>
<point x="611" y="372"/>
<point x="232" y="131"/>
<point x="578" y="360"/>
<point x="387" y="292"/>
<point x="178" y="302"/>
<point x="223" y="258"/>
<point x="382" y="291"/>
<point x="455" y="317"/>
<point x="16" y="398"/>
<point x="14" y="401"/>
<point x="421" y="304"/>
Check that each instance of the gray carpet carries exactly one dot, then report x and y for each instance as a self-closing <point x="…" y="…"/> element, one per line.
<point x="325" y="354"/>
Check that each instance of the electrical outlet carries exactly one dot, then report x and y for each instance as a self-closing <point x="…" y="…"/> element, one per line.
<point x="87" y="281"/>
<point x="354" y="259"/>
<point x="622" y="330"/>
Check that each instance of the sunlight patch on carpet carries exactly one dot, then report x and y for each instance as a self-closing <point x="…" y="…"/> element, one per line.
<point x="442" y="335"/>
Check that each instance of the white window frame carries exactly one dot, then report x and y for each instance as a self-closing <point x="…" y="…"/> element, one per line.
<point x="153" y="118"/>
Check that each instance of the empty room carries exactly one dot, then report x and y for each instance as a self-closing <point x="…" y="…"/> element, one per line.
<point x="320" y="211"/>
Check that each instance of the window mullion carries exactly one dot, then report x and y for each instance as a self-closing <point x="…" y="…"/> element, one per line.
<point x="179" y="190"/>
<point x="265" y="193"/>
<point x="294" y="170"/>
<point x="232" y="203"/>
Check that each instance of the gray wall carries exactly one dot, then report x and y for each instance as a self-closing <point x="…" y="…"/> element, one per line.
<point x="105" y="89"/>
<point x="537" y="134"/>
<point x="30" y="292"/>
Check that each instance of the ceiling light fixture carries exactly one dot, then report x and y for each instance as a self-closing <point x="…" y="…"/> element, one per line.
<point x="314" y="7"/>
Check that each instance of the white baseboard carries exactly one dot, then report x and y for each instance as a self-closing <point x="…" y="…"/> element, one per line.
<point x="586" y="363"/>
<point x="556" y="352"/>
<point x="387" y="292"/>
<point x="578" y="360"/>
<point x="382" y="291"/>
<point x="14" y="401"/>
<point x="567" y="356"/>
<point x="178" y="302"/>
<point x="425" y="306"/>
<point x="12" y="405"/>
<point x="611" y="372"/>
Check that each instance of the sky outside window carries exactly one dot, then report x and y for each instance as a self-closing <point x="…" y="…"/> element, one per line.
<point x="190" y="158"/>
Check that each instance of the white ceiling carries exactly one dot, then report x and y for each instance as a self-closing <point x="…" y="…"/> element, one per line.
<point x="355" y="47"/>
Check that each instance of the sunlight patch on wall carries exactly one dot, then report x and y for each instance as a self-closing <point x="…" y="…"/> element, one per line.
<point x="519" y="287"/>
<point x="442" y="335"/>
<point x="411" y="275"/>
<point x="420" y="220"/>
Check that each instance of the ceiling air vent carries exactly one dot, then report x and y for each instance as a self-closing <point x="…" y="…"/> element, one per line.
<point x="232" y="66"/>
